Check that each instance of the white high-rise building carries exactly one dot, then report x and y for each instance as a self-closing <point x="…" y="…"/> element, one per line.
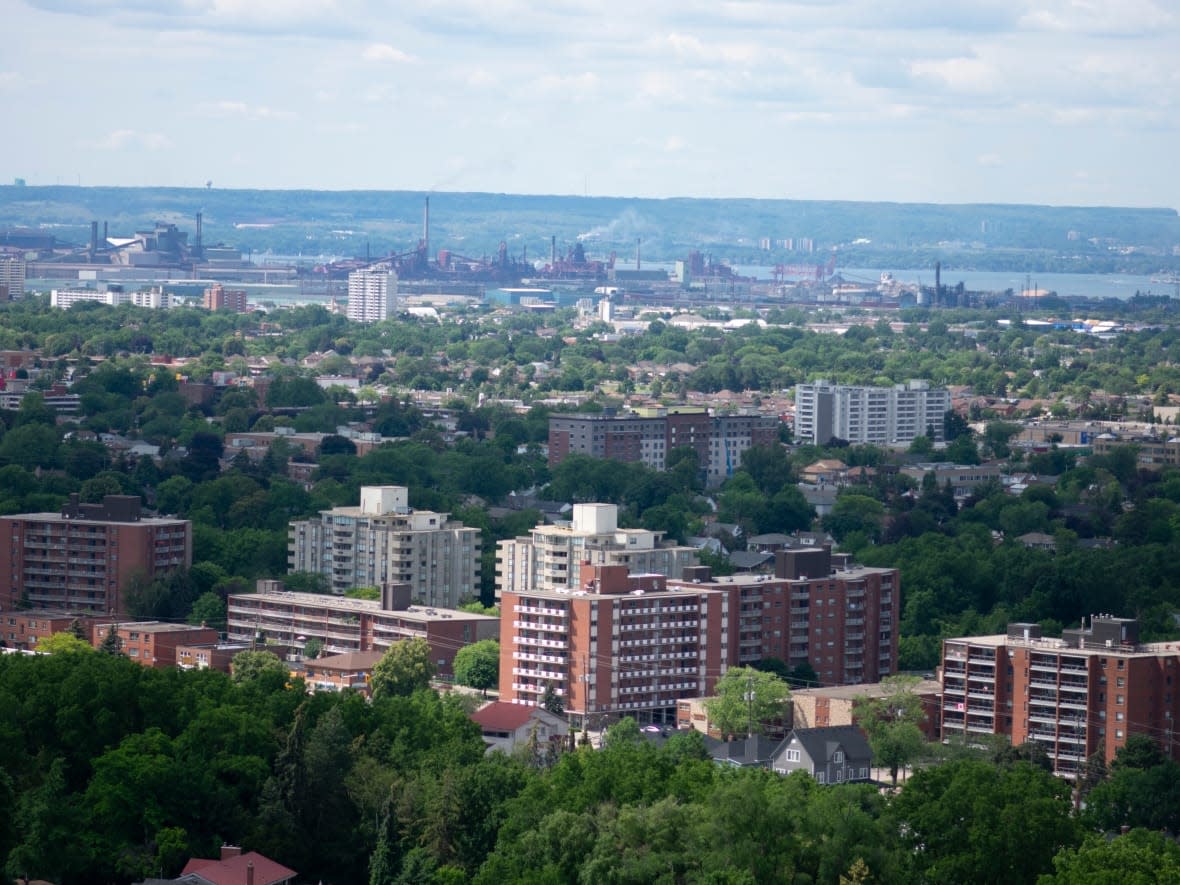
<point x="372" y="295"/>
<point x="384" y="540"/>
<point x="12" y="279"/>
<point x="550" y="557"/>
<point x="881" y="416"/>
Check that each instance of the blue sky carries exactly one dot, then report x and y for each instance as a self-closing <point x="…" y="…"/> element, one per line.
<point x="1062" y="102"/>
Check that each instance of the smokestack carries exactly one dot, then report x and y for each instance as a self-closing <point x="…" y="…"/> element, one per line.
<point x="553" y="251"/>
<point x="93" y="239"/>
<point x="426" y="229"/>
<point x="250" y="873"/>
<point x="638" y="243"/>
<point x="197" y="244"/>
<point x="104" y="233"/>
<point x="938" y="282"/>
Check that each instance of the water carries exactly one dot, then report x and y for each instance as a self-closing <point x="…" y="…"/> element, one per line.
<point x="1067" y="285"/>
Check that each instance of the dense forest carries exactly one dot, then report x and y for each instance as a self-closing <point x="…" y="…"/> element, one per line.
<point x="112" y="772"/>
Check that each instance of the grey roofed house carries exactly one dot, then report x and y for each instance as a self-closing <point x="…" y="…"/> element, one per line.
<point x="753" y="752"/>
<point x="832" y="755"/>
<point x="746" y="561"/>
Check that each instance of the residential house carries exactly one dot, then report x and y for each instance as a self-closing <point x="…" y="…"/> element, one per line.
<point x="833" y="755"/>
<point x="338" y="672"/>
<point x="237" y="868"/>
<point x="509" y="727"/>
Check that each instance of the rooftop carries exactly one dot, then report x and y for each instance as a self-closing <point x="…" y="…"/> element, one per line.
<point x="344" y="603"/>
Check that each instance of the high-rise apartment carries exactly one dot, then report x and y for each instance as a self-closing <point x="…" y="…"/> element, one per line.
<point x="12" y="279"/>
<point x="549" y="558"/>
<point x="818" y="608"/>
<point x="618" y="644"/>
<point x="1082" y="694"/>
<point x="83" y="558"/>
<point x="385" y="541"/>
<point x="217" y="297"/>
<point x="881" y="416"/>
<point x="649" y="436"/>
<point x="372" y="295"/>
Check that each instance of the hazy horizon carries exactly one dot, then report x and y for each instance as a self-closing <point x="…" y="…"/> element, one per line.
<point x="1050" y="103"/>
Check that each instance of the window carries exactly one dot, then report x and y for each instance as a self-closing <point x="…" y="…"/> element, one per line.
<point x="1118" y="699"/>
<point x="792" y="755"/>
<point x="1121" y="682"/>
<point x="1118" y="717"/>
<point x="819" y="777"/>
<point x="838" y="757"/>
<point x="1122" y="664"/>
<point x="1118" y="734"/>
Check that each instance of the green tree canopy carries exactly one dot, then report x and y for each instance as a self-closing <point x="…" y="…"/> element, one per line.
<point x="745" y="699"/>
<point x="405" y="668"/>
<point x="478" y="665"/>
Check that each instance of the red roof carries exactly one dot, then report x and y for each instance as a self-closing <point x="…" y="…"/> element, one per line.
<point x="232" y="871"/>
<point x="502" y="716"/>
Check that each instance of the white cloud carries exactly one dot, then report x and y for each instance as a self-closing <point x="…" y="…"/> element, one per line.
<point x="958" y="74"/>
<point x="242" y="110"/>
<point x="989" y="160"/>
<point x="124" y="139"/>
<point x="383" y="52"/>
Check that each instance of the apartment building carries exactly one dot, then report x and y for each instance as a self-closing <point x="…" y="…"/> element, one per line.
<point x="648" y="435"/>
<point x="154" y="298"/>
<point x="82" y="559"/>
<point x="154" y="643"/>
<point x="1082" y="694"/>
<point x="345" y="625"/>
<point x="964" y="479"/>
<point x="24" y="629"/>
<point x="12" y="279"/>
<point x="549" y="558"/>
<point x="372" y="295"/>
<point x="817" y="608"/>
<point x="860" y="414"/>
<point x="384" y="540"/>
<point x="620" y="644"/>
<point x="217" y="297"/>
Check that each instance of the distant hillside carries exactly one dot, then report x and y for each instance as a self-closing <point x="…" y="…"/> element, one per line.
<point x="348" y="223"/>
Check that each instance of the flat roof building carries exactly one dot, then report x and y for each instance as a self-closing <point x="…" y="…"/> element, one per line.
<point x="83" y="558"/>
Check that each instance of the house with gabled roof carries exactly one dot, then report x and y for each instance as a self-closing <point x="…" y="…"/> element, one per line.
<point x="233" y="867"/>
<point x="834" y="755"/>
<point x="508" y="727"/>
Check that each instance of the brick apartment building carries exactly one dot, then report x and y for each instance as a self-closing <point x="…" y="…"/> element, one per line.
<point x="353" y="625"/>
<point x="624" y="644"/>
<point x="24" y="629"/>
<point x="154" y="643"/>
<point x="1075" y="696"/>
<point x="81" y="559"/>
<point x="648" y="435"/>
<point x="549" y="557"/>
<point x="638" y="644"/>
<point x="217" y="297"/>
<point x="817" y="608"/>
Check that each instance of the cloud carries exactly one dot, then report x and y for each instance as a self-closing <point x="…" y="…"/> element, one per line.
<point x="242" y="110"/>
<point x="383" y="52"/>
<point x="124" y="139"/>
<point x="989" y="160"/>
<point x="969" y="75"/>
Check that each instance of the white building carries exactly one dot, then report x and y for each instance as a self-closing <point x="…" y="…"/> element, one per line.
<point x="385" y="541"/>
<point x="155" y="298"/>
<point x="372" y="295"/>
<point x="860" y="414"/>
<point x="12" y="279"/>
<point x="549" y="558"/>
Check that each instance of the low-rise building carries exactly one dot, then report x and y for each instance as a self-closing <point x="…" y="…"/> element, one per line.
<point x="209" y="656"/>
<point x="154" y="643"/>
<point x="510" y="727"/>
<point x="837" y="754"/>
<point x="346" y="625"/>
<point x="24" y="629"/>
<point x="353" y="670"/>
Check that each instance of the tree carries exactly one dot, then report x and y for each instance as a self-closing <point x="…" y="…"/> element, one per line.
<point x="209" y="609"/>
<point x="63" y="642"/>
<point x="551" y="701"/>
<point x="404" y="669"/>
<point x="112" y="643"/>
<point x="478" y="665"/>
<point x="892" y="723"/>
<point x="247" y="666"/>
<point x="312" y="648"/>
<point x="746" y="699"/>
<point x="1139" y="857"/>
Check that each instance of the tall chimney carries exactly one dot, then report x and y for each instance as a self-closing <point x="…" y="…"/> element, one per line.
<point x="250" y="873"/>
<point x="426" y="229"/>
<point x="553" y="251"/>
<point x="638" y="243"/>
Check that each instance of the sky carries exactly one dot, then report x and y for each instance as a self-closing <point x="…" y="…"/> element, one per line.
<point x="1058" y="102"/>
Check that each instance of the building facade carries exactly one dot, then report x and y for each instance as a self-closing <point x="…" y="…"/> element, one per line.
<point x="648" y="435"/>
<point x="83" y="558"/>
<point x="619" y="645"/>
<point x="817" y="608"/>
<point x="217" y="297"/>
<point x="353" y="625"/>
<point x="383" y="540"/>
<point x="549" y="558"/>
<point x="1082" y="694"/>
<point x="372" y="295"/>
<point x="12" y="279"/>
<point x="154" y="643"/>
<point x="882" y="416"/>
